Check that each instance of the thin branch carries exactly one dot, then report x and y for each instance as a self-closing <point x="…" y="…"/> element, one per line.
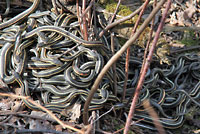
<point x="114" y="15"/>
<point x="104" y="114"/>
<point x="169" y="28"/>
<point x="128" y="49"/>
<point x="119" y="21"/>
<point x="78" y="16"/>
<point x="84" y="22"/>
<point x="146" y="66"/>
<point x="149" y="40"/>
<point x="38" y="130"/>
<point x="44" y="109"/>
<point x="114" y="59"/>
<point x="114" y="65"/>
<point x="154" y="116"/>
<point x="133" y="123"/>
<point x="180" y="50"/>
<point x="95" y="19"/>
<point x="87" y="9"/>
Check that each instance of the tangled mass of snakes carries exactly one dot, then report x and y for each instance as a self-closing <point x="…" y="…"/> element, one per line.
<point x="46" y="55"/>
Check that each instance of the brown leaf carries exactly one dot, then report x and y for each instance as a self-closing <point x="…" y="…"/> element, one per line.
<point x="18" y="91"/>
<point x="40" y="114"/>
<point x="58" y="128"/>
<point x="16" y="105"/>
<point x="40" y="124"/>
<point x="74" y="113"/>
<point x="5" y="104"/>
<point x="188" y="13"/>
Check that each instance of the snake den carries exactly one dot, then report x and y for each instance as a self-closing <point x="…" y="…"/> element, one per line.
<point x="99" y="67"/>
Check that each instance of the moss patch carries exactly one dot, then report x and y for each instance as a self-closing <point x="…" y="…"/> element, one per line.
<point x="122" y="11"/>
<point x="189" y="38"/>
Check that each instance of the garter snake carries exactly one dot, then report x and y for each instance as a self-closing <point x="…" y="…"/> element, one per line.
<point x="20" y="16"/>
<point x="62" y="72"/>
<point x="50" y="72"/>
<point x="64" y="33"/>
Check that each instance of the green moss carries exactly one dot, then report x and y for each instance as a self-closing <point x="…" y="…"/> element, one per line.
<point x="189" y="38"/>
<point x="122" y="11"/>
<point x="110" y="6"/>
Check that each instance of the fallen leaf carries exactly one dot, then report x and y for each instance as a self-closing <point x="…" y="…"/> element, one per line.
<point x="41" y="114"/>
<point x="5" y="104"/>
<point x="58" y="128"/>
<point x="188" y="13"/>
<point x="40" y="124"/>
<point x="16" y="105"/>
<point x="74" y="113"/>
<point x="197" y="131"/>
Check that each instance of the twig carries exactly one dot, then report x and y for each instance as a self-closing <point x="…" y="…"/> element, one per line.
<point x="119" y="21"/>
<point x="87" y="9"/>
<point x="149" y="40"/>
<point x="44" y="109"/>
<point x="104" y="114"/>
<point x="114" y="15"/>
<point x="146" y="66"/>
<point x="9" y="112"/>
<point x="78" y="16"/>
<point x="154" y="116"/>
<point x="114" y="65"/>
<point x="7" y="119"/>
<point x="169" y="28"/>
<point x="180" y="50"/>
<point x="84" y="22"/>
<point x="114" y="59"/>
<point x="67" y="51"/>
<point x="95" y="19"/>
<point x="35" y="117"/>
<point x="128" y="49"/>
<point x="133" y="123"/>
<point x="38" y="130"/>
<point x="54" y="6"/>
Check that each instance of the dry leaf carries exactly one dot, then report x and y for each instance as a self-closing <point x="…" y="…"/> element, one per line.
<point x="5" y="104"/>
<point x="162" y="53"/>
<point x="16" y="105"/>
<point x="58" y="128"/>
<point x="41" y="114"/>
<point x="74" y="113"/>
<point x="180" y="18"/>
<point x="188" y="13"/>
<point x="173" y="19"/>
<point x="40" y="124"/>
<point x="3" y="85"/>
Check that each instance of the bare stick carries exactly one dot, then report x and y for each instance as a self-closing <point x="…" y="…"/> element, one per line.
<point x="133" y="123"/>
<point x="154" y="116"/>
<point x="114" y="65"/>
<point x="128" y="49"/>
<point x="120" y="21"/>
<point x="180" y="50"/>
<point x="149" y="40"/>
<point x="146" y="66"/>
<point x="114" y="59"/>
<point x="87" y="9"/>
<point x="113" y="17"/>
<point x="84" y="22"/>
<point x="78" y="16"/>
<point x="44" y="109"/>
